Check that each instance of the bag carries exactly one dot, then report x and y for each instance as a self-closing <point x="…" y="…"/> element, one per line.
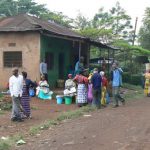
<point x="31" y="92"/>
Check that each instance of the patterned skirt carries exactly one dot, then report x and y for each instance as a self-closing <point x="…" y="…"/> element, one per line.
<point x="25" y="102"/>
<point x="81" y="94"/>
<point x="147" y="87"/>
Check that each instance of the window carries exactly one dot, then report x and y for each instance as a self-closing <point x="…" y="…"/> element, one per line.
<point x="12" y="59"/>
<point x="11" y="44"/>
<point x="49" y="60"/>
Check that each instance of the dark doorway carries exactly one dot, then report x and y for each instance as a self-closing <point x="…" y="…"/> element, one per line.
<point x="61" y="65"/>
<point x="49" y="58"/>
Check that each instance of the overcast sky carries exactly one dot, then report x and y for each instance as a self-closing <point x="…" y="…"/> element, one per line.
<point x="134" y="8"/>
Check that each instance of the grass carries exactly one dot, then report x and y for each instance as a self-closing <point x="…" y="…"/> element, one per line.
<point x="2" y="112"/>
<point x="34" y="108"/>
<point x="64" y="116"/>
<point x="8" y="143"/>
<point x="135" y="92"/>
<point x="6" y="106"/>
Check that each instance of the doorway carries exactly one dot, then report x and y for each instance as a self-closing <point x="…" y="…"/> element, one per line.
<point x="61" y="66"/>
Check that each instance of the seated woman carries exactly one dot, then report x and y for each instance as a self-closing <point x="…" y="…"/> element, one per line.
<point x="70" y="86"/>
<point x="43" y="91"/>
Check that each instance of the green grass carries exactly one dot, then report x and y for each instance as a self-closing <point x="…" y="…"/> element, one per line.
<point x="4" y="145"/>
<point x="134" y="92"/>
<point x="2" y="112"/>
<point x="34" y="108"/>
<point x="64" y="116"/>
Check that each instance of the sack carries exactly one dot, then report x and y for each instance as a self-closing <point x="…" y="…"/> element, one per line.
<point x="31" y="92"/>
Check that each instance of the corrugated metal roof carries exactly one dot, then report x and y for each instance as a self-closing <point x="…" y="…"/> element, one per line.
<point x="25" y="22"/>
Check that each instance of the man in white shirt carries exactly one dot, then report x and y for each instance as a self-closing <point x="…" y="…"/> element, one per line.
<point x="43" y="69"/>
<point x="15" y="87"/>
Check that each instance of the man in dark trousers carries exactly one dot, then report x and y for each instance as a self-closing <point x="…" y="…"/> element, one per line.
<point x="96" y="82"/>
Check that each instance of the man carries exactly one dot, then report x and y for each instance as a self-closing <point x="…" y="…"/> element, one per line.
<point x="79" y="65"/>
<point x="43" y="69"/>
<point x="96" y="84"/>
<point x="15" y="87"/>
<point x="116" y="78"/>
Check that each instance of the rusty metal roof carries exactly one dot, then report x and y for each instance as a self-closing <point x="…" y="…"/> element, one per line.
<point x="26" y="22"/>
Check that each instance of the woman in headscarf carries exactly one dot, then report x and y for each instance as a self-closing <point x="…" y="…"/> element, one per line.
<point x="82" y="83"/>
<point x="43" y="91"/>
<point x="70" y="86"/>
<point x="25" y="99"/>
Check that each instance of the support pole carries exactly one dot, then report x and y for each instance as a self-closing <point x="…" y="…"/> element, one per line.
<point x="134" y="33"/>
<point x="108" y="61"/>
<point x="79" y="50"/>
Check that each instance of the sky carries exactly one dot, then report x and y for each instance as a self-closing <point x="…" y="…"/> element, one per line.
<point x="71" y="8"/>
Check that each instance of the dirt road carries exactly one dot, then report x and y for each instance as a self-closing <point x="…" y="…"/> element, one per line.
<point x="123" y="128"/>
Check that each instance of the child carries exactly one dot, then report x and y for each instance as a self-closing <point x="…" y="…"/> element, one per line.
<point x="104" y="87"/>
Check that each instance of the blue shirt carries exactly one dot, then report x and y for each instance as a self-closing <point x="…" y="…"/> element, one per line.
<point x="96" y="81"/>
<point x="116" y="78"/>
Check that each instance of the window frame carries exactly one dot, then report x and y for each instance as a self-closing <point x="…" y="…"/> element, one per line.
<point x="10" y="60"/>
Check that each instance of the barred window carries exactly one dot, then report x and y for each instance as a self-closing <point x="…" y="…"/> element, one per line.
<point x="12" y="59"/>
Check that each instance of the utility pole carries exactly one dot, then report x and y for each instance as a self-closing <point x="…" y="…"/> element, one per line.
<point x="134" y="33"/>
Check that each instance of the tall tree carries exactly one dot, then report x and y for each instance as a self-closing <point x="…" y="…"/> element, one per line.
<point x="144" y="33"/>
<point x="14" y="7"/>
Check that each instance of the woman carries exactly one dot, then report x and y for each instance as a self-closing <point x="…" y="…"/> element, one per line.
<point x="104" y="88"/>
<point x="147" y="83"/>
<point x="43" y="91"/>
<point x="82" y="82"/>
<point x="25" y="99"/>
<point x="70" y="86"/>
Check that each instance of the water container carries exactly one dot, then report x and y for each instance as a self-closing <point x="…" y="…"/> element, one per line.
<point x="68" y="100"/>
<point x="59" y="99"/>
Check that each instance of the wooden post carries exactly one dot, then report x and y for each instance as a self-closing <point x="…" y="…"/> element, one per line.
<point x="79" y="50"/>
<point x="108" y="63"/>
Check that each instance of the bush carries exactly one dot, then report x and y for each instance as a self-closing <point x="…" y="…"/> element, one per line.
<point x="134" y="79"/>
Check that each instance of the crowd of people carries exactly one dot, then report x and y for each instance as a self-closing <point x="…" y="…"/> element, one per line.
<point x="87" y="88"/>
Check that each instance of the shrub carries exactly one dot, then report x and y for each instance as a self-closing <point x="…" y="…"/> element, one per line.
<point x="134" y="79"/>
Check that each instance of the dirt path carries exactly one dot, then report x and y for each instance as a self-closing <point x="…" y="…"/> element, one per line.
<point x="42" y="111"/>
<point x="123" y="128"/>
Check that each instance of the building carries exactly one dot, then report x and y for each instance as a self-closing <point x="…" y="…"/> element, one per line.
<point x="25" y="40"/>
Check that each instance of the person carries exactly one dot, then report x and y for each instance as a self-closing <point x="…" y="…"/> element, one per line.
<point x="96" y="83"/>
<point x="90" y="95"/>
<point x="15" y="87"/>
<point x="43" y="69"/>
<point x="25" y="99"/>
<point x="43" y="91"/>
<point x="116" y="79"/>
<point x="70" y="86"/>
<point x="147" y="83"/>
<point x="82" y="82"/>
<point x="79" y="66"/>
<point x="104" y="88"/>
